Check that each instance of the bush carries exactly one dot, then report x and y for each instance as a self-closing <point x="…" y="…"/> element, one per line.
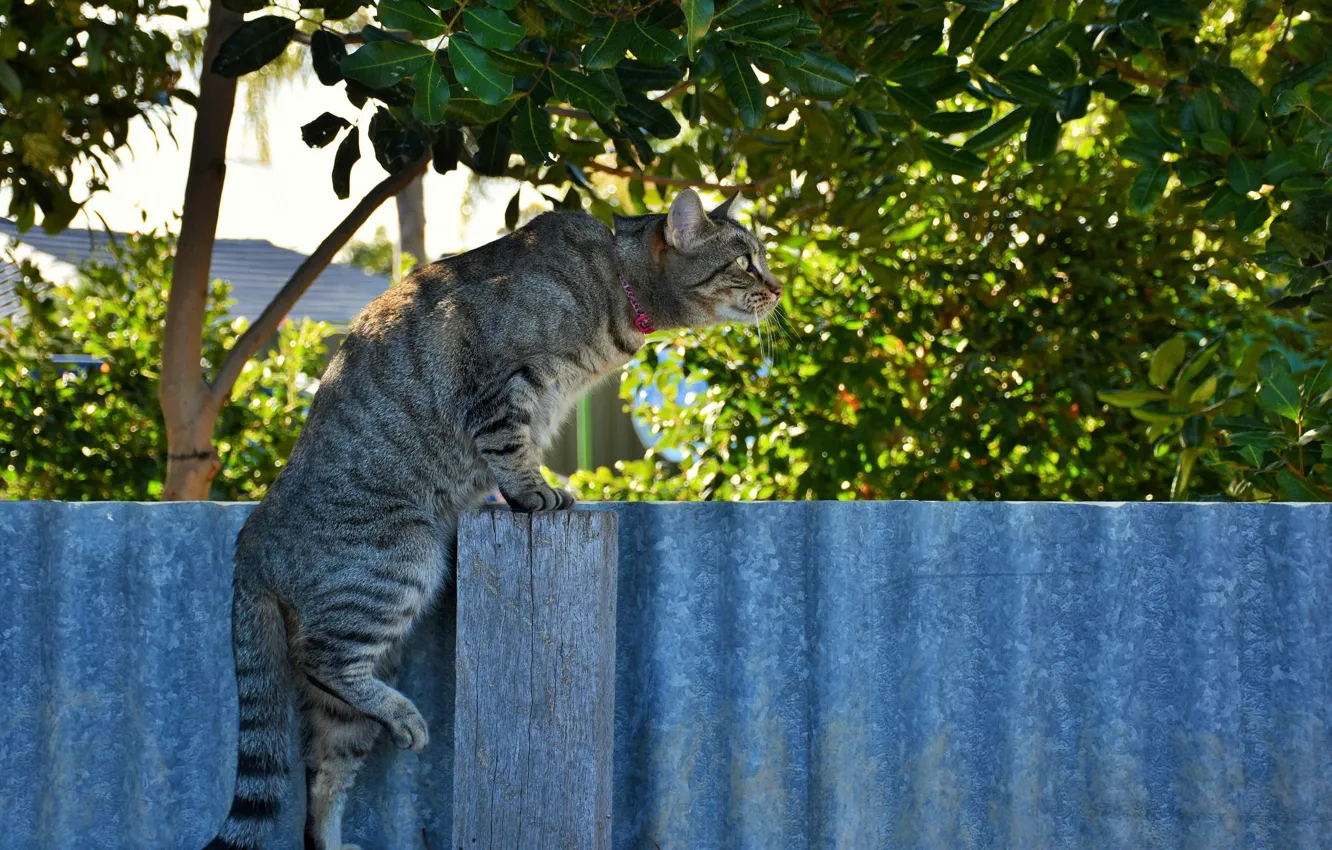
<point x="86" y="432"/>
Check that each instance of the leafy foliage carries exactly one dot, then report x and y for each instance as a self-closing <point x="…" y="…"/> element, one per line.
<point x="1019" y="205"/>
<point x="955" y="354"/>
<point x="94" y="431"/>
<point x="73" y="75"/>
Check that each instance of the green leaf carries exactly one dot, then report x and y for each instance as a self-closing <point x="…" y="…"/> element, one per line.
<point x="964" y="30"/>
<point x="1042" y="135"/>
<point x="763" y="50"/>
<point x="1059" y="66"/>
<point x="585" y="92"/>
<point x="1195" y="172"/>
<point x="492" y="150"/>
<point x="511" y="211"/>
<point x="465" y="107"/>
<point x="1250" y="127"/>
<point x="1143" y="153"/>
<point x="773" y="24"/>
<point x="1250" y="214"/>
<point x="644" y="77"/>
<point x="953" y="160"/>
<point x="253" y="45"/>
<point x="1145" y="120"/>
<point x="1035" y="47"/>
<point x="1130" y="398"/>
<point x="1297" y="489"/>
<point x="1303" y="188"/>
<point x="654" y="45"/>
<point x="492" y="29"/>
<point x="532" y="133"/>
<point x="1216" y="142"/>
<point x="1207" y="110"/>
<point x="10" y="80"/>
<point x="1000" y="131"/>
<point x="477" y="73"/>
<point x="1204" y="391"/>
<point x="1319" y="383"/>
<point x="382" y="64"/>
<point x="577" y="11"/>
<point x="1243" y="175"/>
<point x="348" y="153"/>
<point x="337" y="10"/>
<point x="1031" y="89"/>
<point x="650" y="115"/>
<point x="1166" y="360"/>
<point x="1006" y="30"/>
<point x="1279" y="392"/>
<point x="1282" y="165"/>
<point x="1147" y="187"/>
<point x="324" y="129"/>
<point x="447" y="149"/>
<point x="432" y="94"/>
<point x="947" y="123"/>
<point x="1141" y="33"/>
<point x="1222" y="203"/>
<point x="743" y="87"/>
<point x="326" y="52"/>
<point x="607" y="51"/>
<point x="410" y="15"/>
<point x="698" y="17"/>
<point x="921" y="71"/>
<point x="820" y="77"/>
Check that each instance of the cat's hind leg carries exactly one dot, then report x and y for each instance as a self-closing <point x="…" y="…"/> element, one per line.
<point x="336" y="740"/>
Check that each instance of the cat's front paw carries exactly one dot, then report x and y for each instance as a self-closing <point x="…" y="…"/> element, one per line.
<point x="543" y="498"/>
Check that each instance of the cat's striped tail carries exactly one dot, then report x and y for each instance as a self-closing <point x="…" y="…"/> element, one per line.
<point x="262" y="681"/>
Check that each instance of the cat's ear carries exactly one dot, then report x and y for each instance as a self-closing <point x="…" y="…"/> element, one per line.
<point x="730" y="208"/>
<point x="686" y="221"/>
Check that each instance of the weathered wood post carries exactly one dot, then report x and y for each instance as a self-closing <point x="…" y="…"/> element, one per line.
<point x="535" y="705"/>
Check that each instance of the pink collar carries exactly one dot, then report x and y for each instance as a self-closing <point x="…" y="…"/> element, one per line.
<point x="641" y="320"/>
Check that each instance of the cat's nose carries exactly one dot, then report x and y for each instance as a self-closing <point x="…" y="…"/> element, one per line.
<point x="774" y="287"/>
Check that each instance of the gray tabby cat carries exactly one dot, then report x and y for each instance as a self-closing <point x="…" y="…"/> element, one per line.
<point x="447" y="385"/>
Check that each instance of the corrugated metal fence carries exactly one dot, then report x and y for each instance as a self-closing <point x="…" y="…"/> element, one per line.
<point x="789" y="676"/>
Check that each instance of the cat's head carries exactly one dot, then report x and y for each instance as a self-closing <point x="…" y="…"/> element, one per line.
<point x="714" y="269"/>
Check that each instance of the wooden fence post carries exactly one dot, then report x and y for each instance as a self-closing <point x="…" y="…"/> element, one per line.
<point x="535" y="707"/>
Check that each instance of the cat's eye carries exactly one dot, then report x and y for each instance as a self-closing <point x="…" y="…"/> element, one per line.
<point x="742" y="262"/>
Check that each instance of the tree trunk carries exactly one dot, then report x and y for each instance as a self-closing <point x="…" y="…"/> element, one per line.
<point x="188" y="405"/>
<point x="411" y="225"/>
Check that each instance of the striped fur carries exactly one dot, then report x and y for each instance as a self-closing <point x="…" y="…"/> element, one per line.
<point x="447" y="385"/>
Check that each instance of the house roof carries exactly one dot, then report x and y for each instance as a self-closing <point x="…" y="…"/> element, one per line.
<point x="255" y="268"/>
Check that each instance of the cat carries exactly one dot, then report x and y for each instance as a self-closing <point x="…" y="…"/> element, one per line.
<point x="447" y="386"/>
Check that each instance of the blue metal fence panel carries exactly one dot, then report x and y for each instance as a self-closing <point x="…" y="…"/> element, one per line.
<point x="822" y="675"/>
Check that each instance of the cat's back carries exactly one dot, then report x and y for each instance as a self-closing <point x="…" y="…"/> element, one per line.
<point x="554" y="248"/>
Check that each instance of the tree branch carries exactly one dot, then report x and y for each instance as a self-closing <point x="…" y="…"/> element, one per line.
<point x="569" y="113"/>
<point x="267" y="323"/>
<point x="679" y="181"/>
